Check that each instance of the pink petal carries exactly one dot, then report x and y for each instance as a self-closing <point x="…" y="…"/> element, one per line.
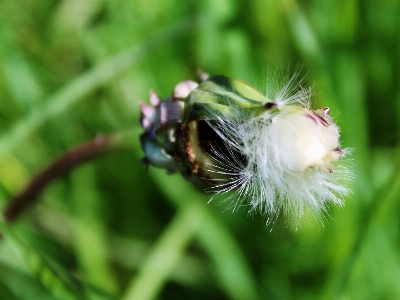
<point x="147" y="110"/>
<point x="154" y="99"/>
<point x="183" y="89"/>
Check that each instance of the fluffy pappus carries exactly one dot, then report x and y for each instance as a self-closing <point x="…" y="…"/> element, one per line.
<point x="283" y="160"/>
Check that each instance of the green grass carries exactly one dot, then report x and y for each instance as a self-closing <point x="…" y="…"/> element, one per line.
<point x="71" y="70"/>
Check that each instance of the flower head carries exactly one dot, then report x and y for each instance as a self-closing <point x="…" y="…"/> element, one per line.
<point x="274" y="152"/>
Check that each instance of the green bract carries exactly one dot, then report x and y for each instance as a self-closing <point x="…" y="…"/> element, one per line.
<point x="177" y="136"/>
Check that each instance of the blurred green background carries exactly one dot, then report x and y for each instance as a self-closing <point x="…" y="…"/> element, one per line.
<point x="74" y="69"/>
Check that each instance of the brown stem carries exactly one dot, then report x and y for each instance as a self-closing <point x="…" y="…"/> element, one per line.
<point x="74" y="157"/>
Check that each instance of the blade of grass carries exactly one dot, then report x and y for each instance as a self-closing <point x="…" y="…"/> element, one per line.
<point x="385" y="200"/>
<point x="17" y="71"/>
<point x="166" y="253"/>
<point x="70" y="94"/>
<point x="12" y="281"/>
<point x="90" y="233"/>
<point x="232" y="270"/>
<point x="302" y="32"/>
<point x="38" y="267"/>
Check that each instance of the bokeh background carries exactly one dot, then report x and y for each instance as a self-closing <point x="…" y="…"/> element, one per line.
<point x="75" y="69"/>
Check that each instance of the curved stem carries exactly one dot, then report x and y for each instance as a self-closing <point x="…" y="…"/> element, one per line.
<point x="73" y="158"/>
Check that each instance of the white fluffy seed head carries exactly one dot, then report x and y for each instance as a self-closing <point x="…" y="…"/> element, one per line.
<point x="284" y="161"/>
<point x="276" y="154"/>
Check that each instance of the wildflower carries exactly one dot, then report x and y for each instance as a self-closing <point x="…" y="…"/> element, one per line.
<point x="274" y="152"/>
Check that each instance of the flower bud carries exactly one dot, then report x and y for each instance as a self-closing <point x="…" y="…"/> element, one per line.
<point x="275" y="153"/>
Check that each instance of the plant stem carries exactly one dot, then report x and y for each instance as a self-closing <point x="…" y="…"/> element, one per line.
<point x="73" y="158"/>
